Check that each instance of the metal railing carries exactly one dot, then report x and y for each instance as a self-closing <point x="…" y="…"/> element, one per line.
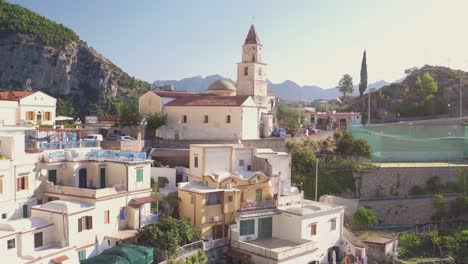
<point x="254" y="205"/>
<point x="215" y="243"/>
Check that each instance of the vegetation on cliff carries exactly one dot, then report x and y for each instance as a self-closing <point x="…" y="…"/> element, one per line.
<point x="16" y="19"/>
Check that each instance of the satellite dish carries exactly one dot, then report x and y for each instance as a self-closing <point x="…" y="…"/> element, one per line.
<point x="43" y="172"/>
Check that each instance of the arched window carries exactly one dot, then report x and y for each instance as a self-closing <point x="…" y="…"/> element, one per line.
<point x="253" y="57"/>
<point x="246" y="71"/>
<point x="260" y="72"/>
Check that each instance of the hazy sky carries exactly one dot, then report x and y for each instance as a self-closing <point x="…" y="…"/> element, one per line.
<point x="309" y="42"/>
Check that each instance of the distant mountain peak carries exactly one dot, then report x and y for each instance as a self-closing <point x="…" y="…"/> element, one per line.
<point x="287" y="90"/>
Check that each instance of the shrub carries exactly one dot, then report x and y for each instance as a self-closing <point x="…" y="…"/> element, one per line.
<point x="410" y="241"/>
<point x="417" y="190"/>
<point x="364" y="217"/>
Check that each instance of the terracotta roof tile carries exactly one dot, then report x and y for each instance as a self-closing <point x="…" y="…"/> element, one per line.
<point x="174" y="94"/>
<point x="14" y="95"/>
<point x="207" y="100"/>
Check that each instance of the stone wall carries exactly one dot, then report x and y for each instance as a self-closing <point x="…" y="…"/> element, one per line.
<point x="398" y="181"/>
<point x="126" y="146"/>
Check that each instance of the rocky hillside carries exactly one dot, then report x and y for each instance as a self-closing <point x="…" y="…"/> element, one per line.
<point x="38" y="53"/>
<point x="403" y="100"/>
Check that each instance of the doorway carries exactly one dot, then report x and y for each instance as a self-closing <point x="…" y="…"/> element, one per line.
<point x="265" y="226"/>
<point x="82" y="178"/>
<point x="52" y="176"/>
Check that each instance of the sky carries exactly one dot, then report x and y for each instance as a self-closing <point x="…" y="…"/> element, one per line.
<point x="309" y="42"/>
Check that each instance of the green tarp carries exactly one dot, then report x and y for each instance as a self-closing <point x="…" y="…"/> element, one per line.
<point x="123" y="254"/>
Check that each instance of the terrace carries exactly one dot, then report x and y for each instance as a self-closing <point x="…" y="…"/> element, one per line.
<point x="257" y="205"/>
<point x="82" y="192"/>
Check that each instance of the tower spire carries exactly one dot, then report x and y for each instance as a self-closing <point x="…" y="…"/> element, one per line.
<point x="252" y="37"/>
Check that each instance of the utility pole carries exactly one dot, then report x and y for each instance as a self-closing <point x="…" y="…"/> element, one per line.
<point x="368" y="108"/>
<point x="316" y="178"/>
<point x="461" y="101"/>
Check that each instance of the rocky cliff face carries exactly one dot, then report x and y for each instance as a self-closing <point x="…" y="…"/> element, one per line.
<point x="71" y="69"/>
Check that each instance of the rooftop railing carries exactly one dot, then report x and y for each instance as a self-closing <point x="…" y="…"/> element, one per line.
<point x="93" y="154"/>
<point x="255" y="205"/>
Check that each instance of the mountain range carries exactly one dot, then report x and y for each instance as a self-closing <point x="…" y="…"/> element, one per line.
<point x="287" y="90"/>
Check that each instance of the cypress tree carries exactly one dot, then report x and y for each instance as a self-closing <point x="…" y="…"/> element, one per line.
<point x="363" y="83"/>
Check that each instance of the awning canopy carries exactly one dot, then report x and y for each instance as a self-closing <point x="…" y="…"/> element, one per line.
<point x="60" y="259"/>
<point x="63" y="118"/>
<point x="138" y="202"/>
<point x="236" y="254"/>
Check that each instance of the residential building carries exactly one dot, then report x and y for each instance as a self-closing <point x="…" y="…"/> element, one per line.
<point x="65" y="201"/>
<point x="226" y="111"/>
<point x="245" y="194"/>
<point x="27" y="107"/>
<point x="330" y="120"/>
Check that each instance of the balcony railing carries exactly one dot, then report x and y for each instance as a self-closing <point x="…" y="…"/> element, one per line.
<point x="83" y="192"/>
<point x="215" y="243"/>
<point x="93" y="154"/>
<point x="255" y="205"/>
<point x="275" y="254"/>
<point x="41" y="146"/>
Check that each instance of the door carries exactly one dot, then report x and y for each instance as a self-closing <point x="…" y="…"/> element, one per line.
<point x="265" y="228"/>
<point x="102" y="177"/>
<point x="82" y="178"/>
<point x="258" y="194"/>
<point x="25" y="211"/>
<point x="39" y="118"/>
<point x="52" y="176"/>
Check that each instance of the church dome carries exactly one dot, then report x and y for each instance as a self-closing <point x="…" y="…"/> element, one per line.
<point x="222" y="88"/>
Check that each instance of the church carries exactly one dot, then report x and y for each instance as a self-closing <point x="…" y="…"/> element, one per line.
<point x="226" y="111"/>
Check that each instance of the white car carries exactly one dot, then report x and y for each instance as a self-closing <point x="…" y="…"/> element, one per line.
<point x="93" y="137"/>
<point x="126" y="138"/>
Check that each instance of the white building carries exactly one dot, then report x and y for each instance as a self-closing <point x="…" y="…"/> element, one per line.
<point x="227" y="111"/>
<point x="27" y="107"/>
<point x="64" y="205"/>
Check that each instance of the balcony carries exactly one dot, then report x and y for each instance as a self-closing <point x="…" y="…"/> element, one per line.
<point x="82" y="192"/>
<point x="273" y="248"/>
<point x="33" y="147"/>
<point x="257" y="205"/>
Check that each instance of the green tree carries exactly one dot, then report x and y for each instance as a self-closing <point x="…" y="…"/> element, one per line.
<point x="363" y="82"/>
<point x="364" y="217"/>
<point x="129" y="115"/>
<point x="409" y="242"/>
<point x="346" y="84"/>
<point x="155" y="121"/>
<point x="427" y="85"/>
<point x="288" y="117"/>
<point x="347" y="145"/>
<point x="168" y="235"/>
<point x="65" y="107"/>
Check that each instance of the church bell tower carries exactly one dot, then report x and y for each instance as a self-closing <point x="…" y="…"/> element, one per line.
<point x="251" y="77"/>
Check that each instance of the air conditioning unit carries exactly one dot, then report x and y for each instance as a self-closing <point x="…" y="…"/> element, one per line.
<point x="215" y="218"/>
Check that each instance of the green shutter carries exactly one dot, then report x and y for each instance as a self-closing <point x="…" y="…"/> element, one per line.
<point x="81" y="255"/>
<point x="52" y="176"/>
<point x="247" y="227"/>
<point x="102" y="177"/>
<point x="139" y="175"/>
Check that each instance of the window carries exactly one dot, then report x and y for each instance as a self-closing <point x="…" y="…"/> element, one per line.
<point x="139" y="175"/>
<point x="333" y="224"/>
<point x="22" y="183"/>
<point x="253" y="57"/>
<point x="4" y="216"/>
<point x="205" y="119"/>
<point x="30" y="115"/>
<point x="1" y="185"/>
<point x="102" y="177"/>
<point x="11" y="244"/>
<point x="247" y="227"/>
<point x="241" y="163"/>
<point x="38" y="240"/>
<point x="260" y="72"/>
<point x="228" y="119"/>
<point x="82" y="255"/>
<point x="195" y="161"/>
<point x="85" y="223"/>
<point x="313" y="229"/>
<point x="246" y="71"/>
<point x="230" y="199"/>
<point x="47" y="116"/>
<point x="106" y="217"/>
<point x="213" y="198"/>
<point x="184" y="119"/>
<point x="258" y="194"/>
<point x="122" y="213"/>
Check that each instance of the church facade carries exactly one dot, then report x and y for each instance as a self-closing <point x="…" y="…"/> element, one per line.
<point x="226" y="111"/>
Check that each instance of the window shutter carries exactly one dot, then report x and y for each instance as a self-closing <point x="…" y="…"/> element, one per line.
<point x="89" y="222"/>
<point x="33" y="116"/>
<point x="18" y="184"/>
<point x="1" y="185"/>
<point x="26" y="182"/>
<point x="80" y="224"/>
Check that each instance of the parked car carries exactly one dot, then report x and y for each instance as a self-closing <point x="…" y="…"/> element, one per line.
<point x="93" y="137"/>
<point x="113" y="137"/>
<point x="126" y="138"/>
<point x="314" y="131"/>
<point x="279" y="132"/>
